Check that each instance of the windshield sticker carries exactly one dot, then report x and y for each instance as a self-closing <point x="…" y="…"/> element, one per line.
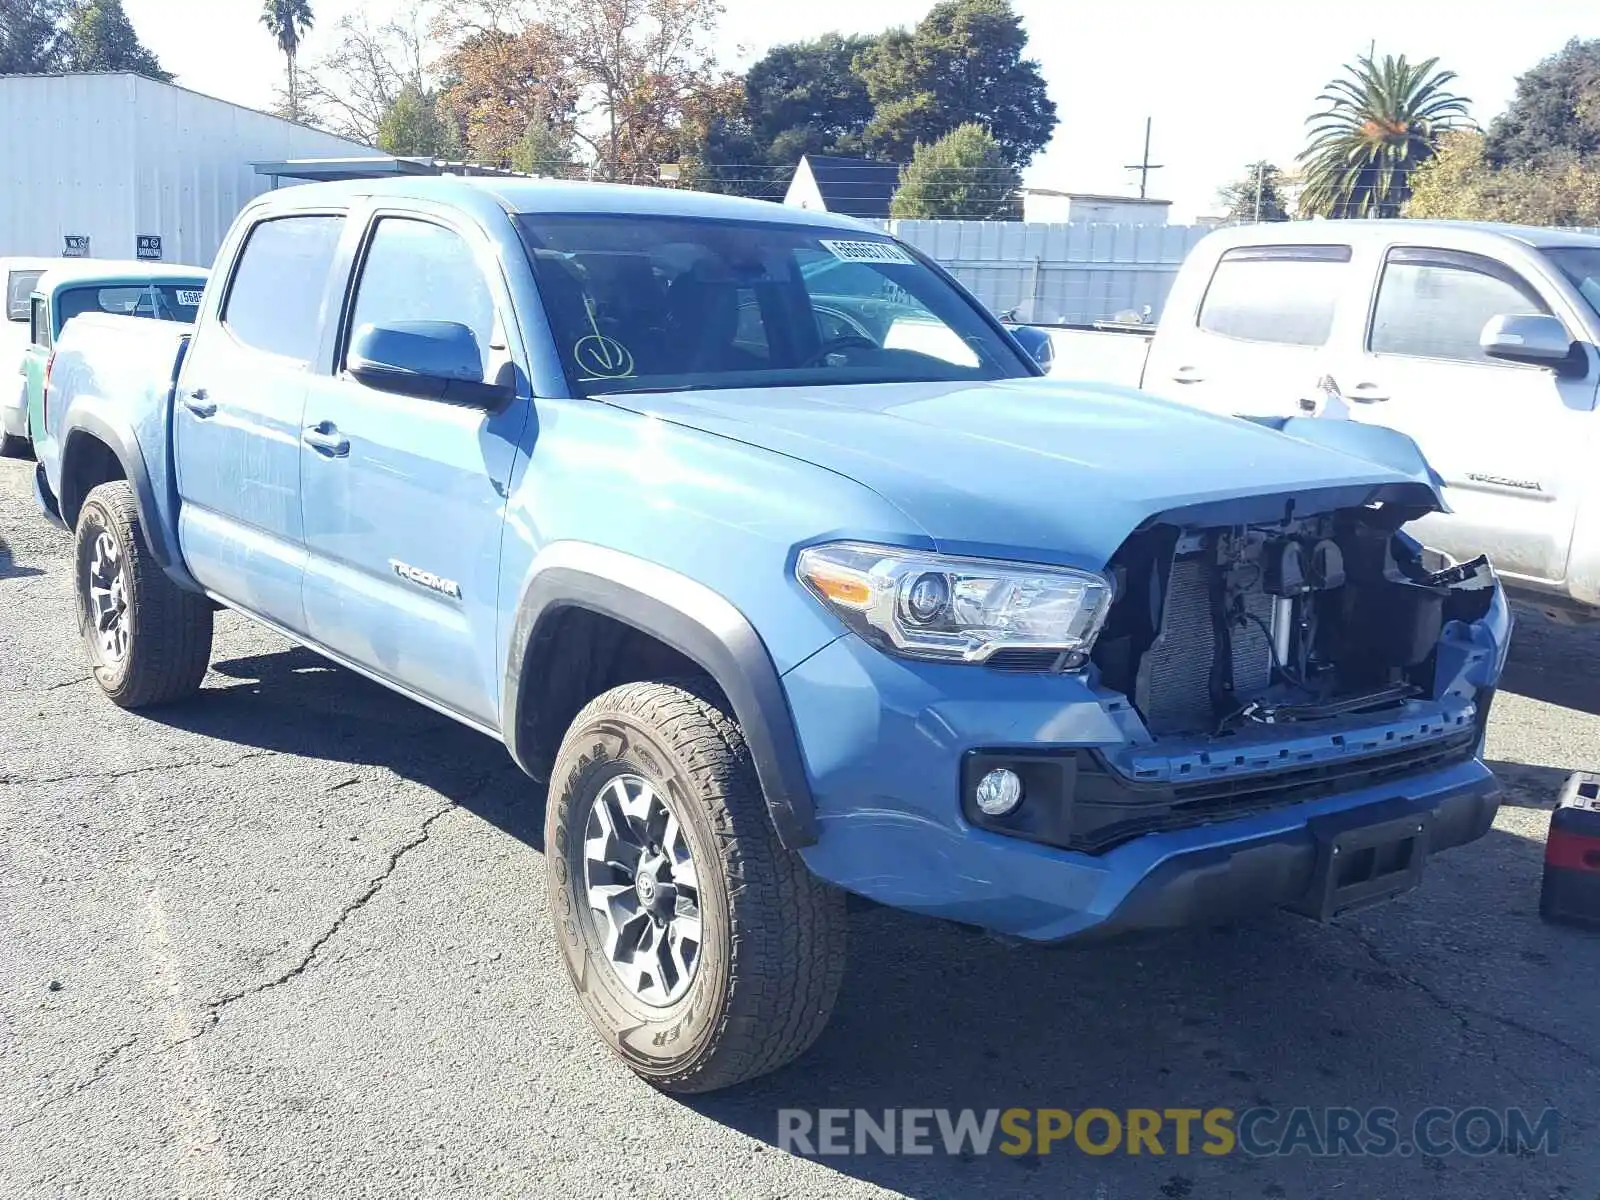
<point x="188" y="298"/>
<point x="868" y="252"/>
<point x="599" y="356"/>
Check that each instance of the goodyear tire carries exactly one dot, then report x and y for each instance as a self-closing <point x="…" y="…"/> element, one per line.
<point x="148" y="641"/>
<point x="703" y="952"/>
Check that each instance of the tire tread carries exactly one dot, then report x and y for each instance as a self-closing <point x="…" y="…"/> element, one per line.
<point x="171" y="649"/>
<point x="787" y="935"/>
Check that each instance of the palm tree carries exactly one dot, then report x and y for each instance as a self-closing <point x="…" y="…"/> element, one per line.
<point x="1382" y="122"/>
<point x="288" y="21"/>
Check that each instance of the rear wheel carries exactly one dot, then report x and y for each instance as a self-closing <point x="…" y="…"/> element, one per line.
<point x="703" y="952"/>
<point x="148" y="640"/>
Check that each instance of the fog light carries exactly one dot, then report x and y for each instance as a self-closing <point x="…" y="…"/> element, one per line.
<point x="998" y="792"/>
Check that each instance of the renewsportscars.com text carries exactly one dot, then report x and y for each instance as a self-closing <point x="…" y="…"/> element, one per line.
<point x="1258" y="1132"/>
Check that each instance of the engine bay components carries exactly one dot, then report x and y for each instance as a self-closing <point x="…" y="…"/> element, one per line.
<point x="1305" y="619"/>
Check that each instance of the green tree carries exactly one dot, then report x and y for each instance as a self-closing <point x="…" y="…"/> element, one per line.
<point x="964" y="175"/>
<point x="806" y="98"/>
<point x="288" y="21"/>
<point x="1382" y="122"/>
<point x="1459" y="183"/>
<point x="413" y="126"/>
<point x="101" y="38"/>
<point x="1255" y="196"/>
<point x="545" y="149"/>
<point x="963" y="63"/>
<point x="33" y="36"/>
<point x="1556" y="110"/>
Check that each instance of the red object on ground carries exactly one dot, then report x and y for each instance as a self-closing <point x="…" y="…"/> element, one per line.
<point x="1571" y="891"/>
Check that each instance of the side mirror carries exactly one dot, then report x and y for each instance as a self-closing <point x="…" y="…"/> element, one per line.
<point x="1036" y="342"/>
<point x="1536" y="339"/>
<point x="436" y="360"/>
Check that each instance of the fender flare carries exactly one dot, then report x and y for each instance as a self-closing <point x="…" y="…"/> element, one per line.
<point x="695" y="621"/>
<point x="125" y="446"/>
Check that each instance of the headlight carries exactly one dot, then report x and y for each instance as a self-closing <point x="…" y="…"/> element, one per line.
<point x="956" y="609"/>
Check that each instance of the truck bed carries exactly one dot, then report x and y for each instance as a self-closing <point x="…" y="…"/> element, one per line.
<point x="121" y="370"/>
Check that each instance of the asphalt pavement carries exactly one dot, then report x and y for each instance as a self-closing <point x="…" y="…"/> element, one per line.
<point x="289" y="939"/>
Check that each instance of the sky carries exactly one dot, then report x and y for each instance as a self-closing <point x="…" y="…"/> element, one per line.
<point x="1226" y="83"/>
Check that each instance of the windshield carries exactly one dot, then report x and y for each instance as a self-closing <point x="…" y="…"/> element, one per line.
<point x="1581" y="265"/>
<point x="664" y="303"/>
<point x="162" y="301"/>
<point x="19" y="290"/>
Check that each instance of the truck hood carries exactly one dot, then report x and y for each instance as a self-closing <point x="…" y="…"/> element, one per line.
<point x="1061" y="471"/>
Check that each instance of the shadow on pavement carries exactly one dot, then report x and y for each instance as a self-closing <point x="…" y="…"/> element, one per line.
<point x="1528" y="786"/>
<point x="8" y="564"/>
<point x="1274" y="1011"/>
<point x="1554" y="662"/>
<point x="296" y="702"/>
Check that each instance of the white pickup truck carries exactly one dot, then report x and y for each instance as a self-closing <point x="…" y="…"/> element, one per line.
<point x="1477" y="341"/>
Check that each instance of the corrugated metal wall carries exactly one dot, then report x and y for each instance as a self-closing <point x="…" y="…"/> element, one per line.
<point x="117" y="156"/>
<point x="1058" y="274"/>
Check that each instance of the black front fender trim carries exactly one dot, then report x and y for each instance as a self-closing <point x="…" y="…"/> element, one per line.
<point x="694" y="621"/>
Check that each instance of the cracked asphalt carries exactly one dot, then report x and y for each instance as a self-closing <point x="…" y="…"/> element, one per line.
<point x="288" y="939"/>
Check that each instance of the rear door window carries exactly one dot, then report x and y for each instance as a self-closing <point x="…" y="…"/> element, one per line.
<point x="1435" y="303"/>
<point x="275" y="301"/>
<point x="1282" y="294"/>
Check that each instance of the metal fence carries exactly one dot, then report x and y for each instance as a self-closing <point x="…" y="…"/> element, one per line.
<point x="1058" y="274"/>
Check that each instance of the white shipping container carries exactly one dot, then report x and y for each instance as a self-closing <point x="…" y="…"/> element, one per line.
<point x="120" y="158"/>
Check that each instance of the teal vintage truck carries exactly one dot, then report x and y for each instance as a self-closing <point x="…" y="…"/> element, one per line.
<point x="69" y="289"/>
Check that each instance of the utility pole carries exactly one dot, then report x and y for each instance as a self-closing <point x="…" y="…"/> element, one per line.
<point x="1144" y="166"/>
<point x="1261" y="178"/>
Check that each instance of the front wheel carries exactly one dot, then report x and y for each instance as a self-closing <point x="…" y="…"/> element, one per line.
<point x="148" y="640"/>
<point x="702" y="951"/>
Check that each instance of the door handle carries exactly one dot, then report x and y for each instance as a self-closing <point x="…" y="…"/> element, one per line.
<point x="1367" y="393"/>
<point x="326" y="440"/>
<point x="197" y="403"/>
<point x="1188" y="375"/>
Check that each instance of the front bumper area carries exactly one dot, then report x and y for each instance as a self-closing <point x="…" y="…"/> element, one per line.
<point x="1281" y="871"/>
<point x="885" y="741"/>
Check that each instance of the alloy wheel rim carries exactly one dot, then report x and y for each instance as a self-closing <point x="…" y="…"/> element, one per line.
<point x="108" y="598"/>
<point x="641" y="890"/>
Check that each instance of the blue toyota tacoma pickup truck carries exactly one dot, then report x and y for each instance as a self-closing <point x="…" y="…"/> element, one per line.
<point x="784" y="593"/>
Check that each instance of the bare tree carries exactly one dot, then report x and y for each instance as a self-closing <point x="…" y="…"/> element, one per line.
<point x="352" y="88"/>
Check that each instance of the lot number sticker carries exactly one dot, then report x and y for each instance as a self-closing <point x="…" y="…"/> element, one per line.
<point x="868" y="252"/>
<point x="189" y="298"/>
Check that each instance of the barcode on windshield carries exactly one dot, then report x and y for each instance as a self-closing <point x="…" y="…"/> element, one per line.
<point x="868" y="252"/>
<point x="189" y="297"/>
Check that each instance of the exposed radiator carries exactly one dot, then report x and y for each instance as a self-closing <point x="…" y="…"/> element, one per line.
<point x="1173" y="689"/>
